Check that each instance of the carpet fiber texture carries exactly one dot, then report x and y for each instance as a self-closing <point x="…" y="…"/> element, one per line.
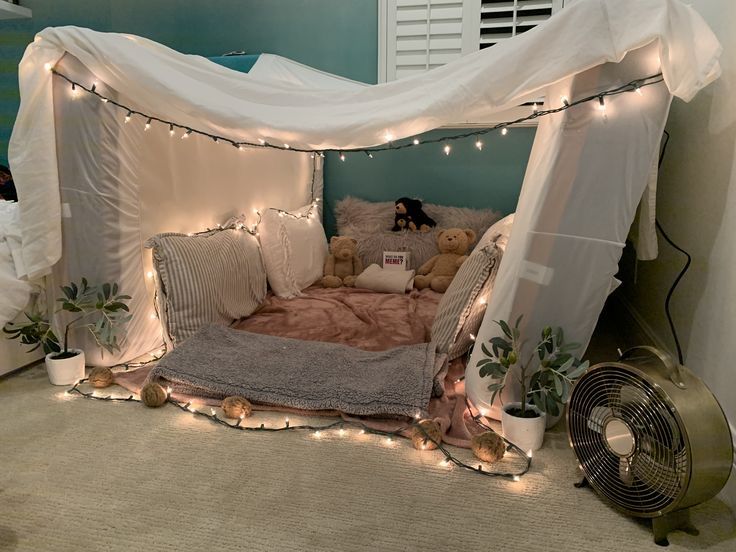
<point x="79" y="474"/>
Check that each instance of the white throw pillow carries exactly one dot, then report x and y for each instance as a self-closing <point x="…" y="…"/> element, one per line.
<point x="294" y="249"/>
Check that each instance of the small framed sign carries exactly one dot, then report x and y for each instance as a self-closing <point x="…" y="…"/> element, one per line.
<point x="396" y="260"/>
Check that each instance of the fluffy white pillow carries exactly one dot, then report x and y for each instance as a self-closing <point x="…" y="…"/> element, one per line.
<point x="294" y="249"/>
<point x="498" y="233"/>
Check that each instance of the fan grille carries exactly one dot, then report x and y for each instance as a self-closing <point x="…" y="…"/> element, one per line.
<point x="651" y="474"/>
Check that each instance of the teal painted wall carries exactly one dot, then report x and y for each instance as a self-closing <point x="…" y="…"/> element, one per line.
<point x="338" y="36"/>
<point x="490" y="178"/>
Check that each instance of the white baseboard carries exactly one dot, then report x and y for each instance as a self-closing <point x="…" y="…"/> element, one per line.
<point x="643" y="327"/>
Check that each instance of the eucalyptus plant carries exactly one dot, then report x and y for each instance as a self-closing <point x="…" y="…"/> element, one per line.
<point x="100" y="309"/>
<point x="546" y="376"/>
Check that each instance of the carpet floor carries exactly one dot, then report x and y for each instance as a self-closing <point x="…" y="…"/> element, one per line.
<point x="78" y="474"/>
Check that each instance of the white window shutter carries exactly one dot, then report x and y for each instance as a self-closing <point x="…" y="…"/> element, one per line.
<point x="424" y="34"/>
<point x="503" y="19"/>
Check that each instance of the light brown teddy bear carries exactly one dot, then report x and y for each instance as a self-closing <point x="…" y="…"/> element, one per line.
<point x="438" y="272"/>
<point x="343" y="265"/>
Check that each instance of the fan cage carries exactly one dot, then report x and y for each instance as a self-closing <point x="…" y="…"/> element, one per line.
<point x="651" y="478"/>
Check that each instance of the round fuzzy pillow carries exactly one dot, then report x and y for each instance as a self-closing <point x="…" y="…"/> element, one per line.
<point x="235" y="407"/>
<point x="419" y="437"/>
<point x="100" y="376"/>
<point x="153" y="395"/>
<point x="488" y="446"/>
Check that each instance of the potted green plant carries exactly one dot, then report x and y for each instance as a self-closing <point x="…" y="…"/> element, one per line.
<point x="99" y="309"/>
<point x="545" y="377"/>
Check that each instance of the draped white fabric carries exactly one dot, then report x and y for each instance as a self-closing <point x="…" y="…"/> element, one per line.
<point x="200" y="94"/>
<point x="585" y="176"/>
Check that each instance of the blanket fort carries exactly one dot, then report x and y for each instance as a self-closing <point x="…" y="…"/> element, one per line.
<point x="586" y="175"/>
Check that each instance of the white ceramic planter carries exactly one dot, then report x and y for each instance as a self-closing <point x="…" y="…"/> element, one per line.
<point x="65" y="371"/>
<point x="525" y="433"/>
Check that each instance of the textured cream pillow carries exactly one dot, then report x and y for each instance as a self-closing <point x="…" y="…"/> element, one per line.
<point x="294" y="249"/>
<point x="370" y="224"/>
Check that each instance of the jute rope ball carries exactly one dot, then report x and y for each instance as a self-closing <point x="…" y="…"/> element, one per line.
<point x="153" y="395"/>
<point x="488" y="446"/>
<point x="419" y="438"/>
<point x="100" y="376"/>
<point x="236" y="407"/>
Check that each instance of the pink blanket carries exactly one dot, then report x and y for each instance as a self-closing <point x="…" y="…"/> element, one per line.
<point x="363" y="319"/>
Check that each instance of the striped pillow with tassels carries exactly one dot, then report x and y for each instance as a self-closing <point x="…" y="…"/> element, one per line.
<point x="214" y="277"/>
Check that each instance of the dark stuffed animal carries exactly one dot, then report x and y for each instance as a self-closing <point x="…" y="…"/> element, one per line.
<point x="401" y="222"/>
<point x="414" y="217"/>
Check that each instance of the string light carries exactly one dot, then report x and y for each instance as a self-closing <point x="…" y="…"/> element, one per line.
<point x="75" y="92"/>
<point x="186" y="134"/>
<point x="47" y="67"/>
<point x="479" y="144"/>
<point x="148" y="125"/>
<point x="633" y="86"/>
<point x="369" y="154"/>
<point x="128" y="116"/>
<point x="149" y="274"/>
<point x="448" y="461"/>
<point x="447" y="149"/>
<point x="171" y="130"/>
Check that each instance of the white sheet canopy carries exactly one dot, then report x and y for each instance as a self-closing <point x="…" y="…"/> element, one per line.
<point x="585" y="176"/>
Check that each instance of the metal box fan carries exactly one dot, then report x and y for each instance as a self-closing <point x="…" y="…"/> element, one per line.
<point x="650" y="437"/>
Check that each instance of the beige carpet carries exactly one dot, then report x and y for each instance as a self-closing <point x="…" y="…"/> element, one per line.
<point x="77" y="474"/>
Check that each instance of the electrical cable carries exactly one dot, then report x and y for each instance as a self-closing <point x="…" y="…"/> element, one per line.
<point x="679" y="277"/>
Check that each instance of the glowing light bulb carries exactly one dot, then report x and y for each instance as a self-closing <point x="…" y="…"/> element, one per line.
<point x="447" y="149"/>
<point x="286" y="421"/>
<point x="389" y="137"/>
<point x="517" y="478"/>
<point x="529" y="453"/>
<point x="369" y="154"/>
<point x="318" y="434"/>
<point x="212" y="411"/>
<point x="242" y="416"/>
<point x="637" y="88"/>
<point x="472" y="337"/>
<point x="128" y="116"/>
<point x="565" y="101"/>
<point x="168" y="391"/>
<point x="47" y="67"/>
<point x="483" y="301"/>
<point x="342" y="156"/>
<point x="417" y="415"/>
<point x="286" y="146"/>
<point x="104" y="100"/>
<point x="171" y="131"/>
<point x="75" y="92"/>
<point x="240" y="148"/>
<point x="415" y="141"/>
<point x="186" y="134"/>
<point x="153" y="316"/>
<point x="148" y="125"/>
<point x="479" y="144"/>
<point x="342" y="432"/>
<point x="535" y="107"/>
<point x="504" y="131"/>
<point x="149" y="274"/>
<point x="362" y="431"/>
<point x="189" y="234"/>
<point x="262" y="141"/>
<point x="601" y="104"/>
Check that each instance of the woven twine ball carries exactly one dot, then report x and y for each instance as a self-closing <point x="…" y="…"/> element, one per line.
<point x="419" y="437"/>
<point x="153" y="395"/>
<point x="100" y="376"/>
<point x="488" y="446"/>
<point x="235" y="407"/>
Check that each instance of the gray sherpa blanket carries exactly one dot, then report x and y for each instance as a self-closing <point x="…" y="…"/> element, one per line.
<point x="217" y="362"/>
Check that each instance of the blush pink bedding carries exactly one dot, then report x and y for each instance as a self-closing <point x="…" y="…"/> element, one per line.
<point x="363" y="319"/>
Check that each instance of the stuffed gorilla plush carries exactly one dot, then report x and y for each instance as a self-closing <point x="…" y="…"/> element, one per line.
<point x="409" y="215"/>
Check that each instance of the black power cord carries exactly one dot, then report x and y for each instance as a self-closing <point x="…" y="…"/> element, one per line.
<point x="684" y="269"/>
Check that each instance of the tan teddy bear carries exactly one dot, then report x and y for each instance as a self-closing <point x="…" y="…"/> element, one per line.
<point x="343" y="265"/>
<point x="438" y="272"/>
